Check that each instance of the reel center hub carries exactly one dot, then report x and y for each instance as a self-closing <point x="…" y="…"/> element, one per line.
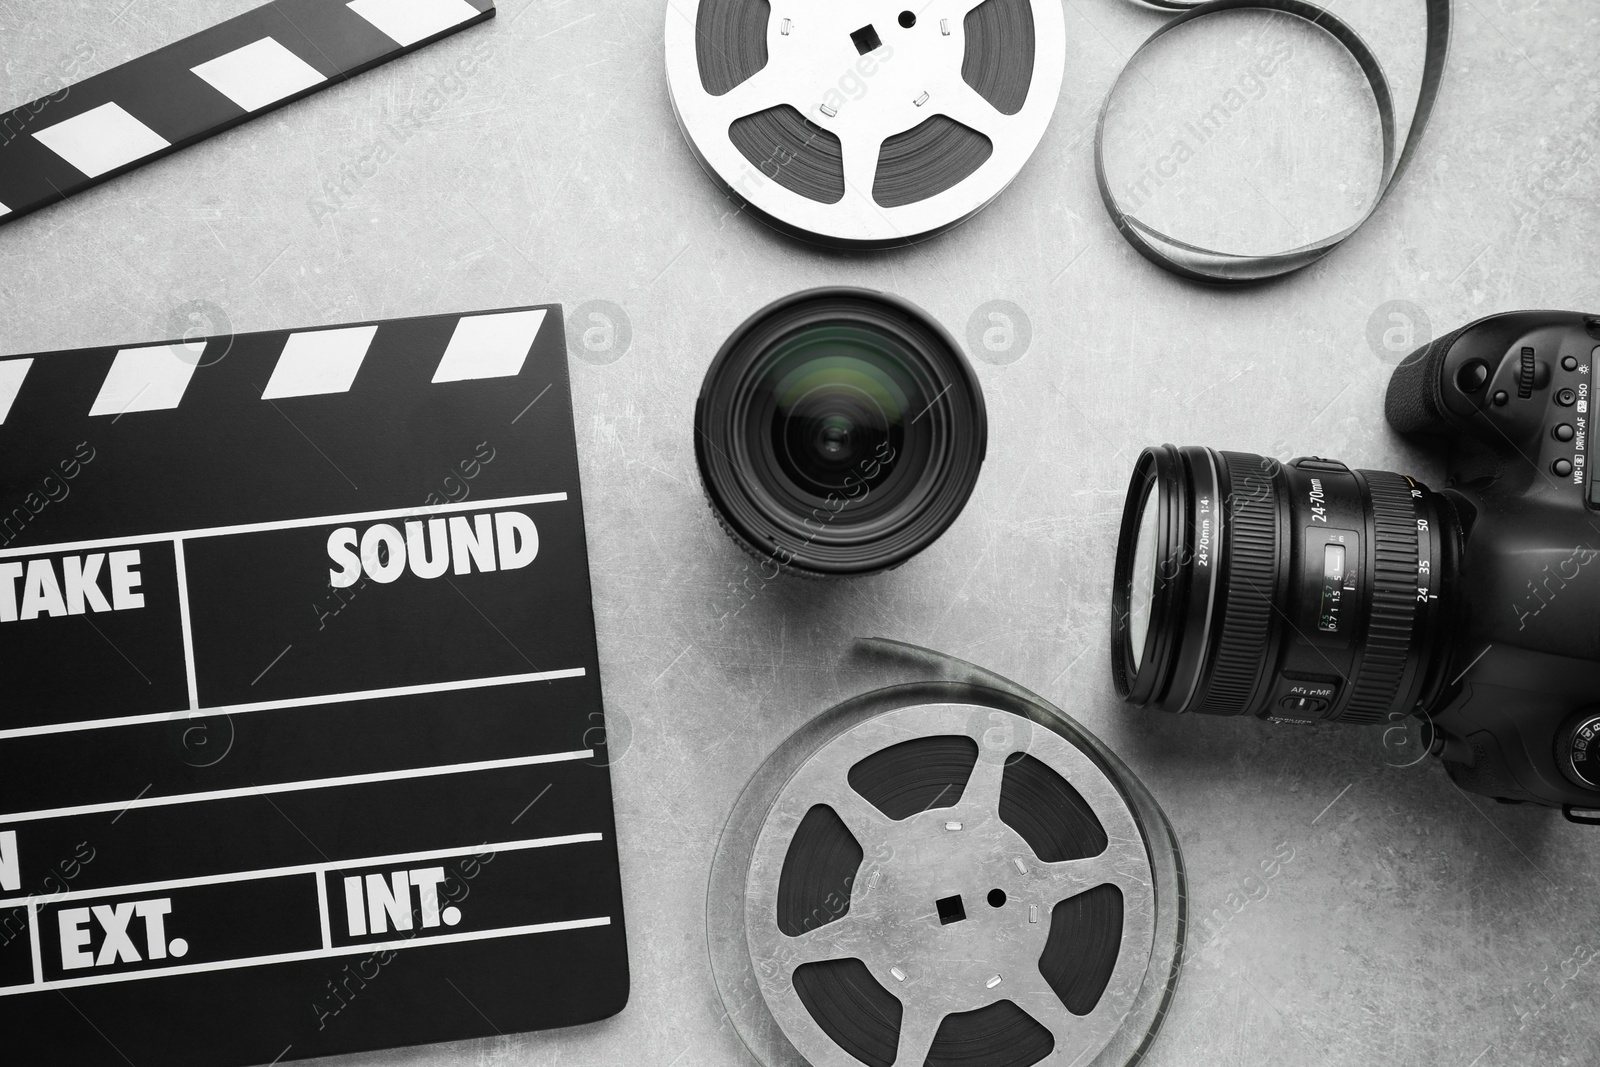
<point x="944" y="888"/>
<point x="858" y="70"/>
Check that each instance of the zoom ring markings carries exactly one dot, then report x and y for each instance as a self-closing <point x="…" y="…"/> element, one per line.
<point x="1394" y="602"/>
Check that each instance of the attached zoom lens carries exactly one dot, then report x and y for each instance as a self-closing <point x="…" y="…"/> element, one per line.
<point x="839" y="432"/>
<point x="1299" y="592"/>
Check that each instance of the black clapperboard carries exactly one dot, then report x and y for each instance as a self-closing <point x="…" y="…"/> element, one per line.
<point x="301" y="740"/>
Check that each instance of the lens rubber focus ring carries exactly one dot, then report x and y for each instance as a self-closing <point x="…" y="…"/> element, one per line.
<point x="1239" y="663"/>
<point x="1394" y="599"/>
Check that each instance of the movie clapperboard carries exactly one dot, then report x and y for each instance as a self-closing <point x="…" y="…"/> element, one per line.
<point x="301" y="740"/>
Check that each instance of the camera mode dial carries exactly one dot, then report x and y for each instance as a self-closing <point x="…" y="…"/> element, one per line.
<point x="1578" y="749"/>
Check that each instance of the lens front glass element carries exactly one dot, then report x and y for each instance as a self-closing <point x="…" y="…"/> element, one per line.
<point x="1142" y="580"/>
<point x="838" y="400"/>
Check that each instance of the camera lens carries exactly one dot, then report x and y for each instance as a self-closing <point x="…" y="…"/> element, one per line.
<point x="1298" y="591"/>
<point x="839" y="432"/>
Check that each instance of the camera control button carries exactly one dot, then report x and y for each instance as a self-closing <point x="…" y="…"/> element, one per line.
<point x="1473" y="375"/>
<point x="1566" y="398"/>
<point x="1564" y="432"/>
<point x="1304" y="705"/>
<point x="1569" y="362"/>
<point x="1501" y="398"/>
<point x="1562" y="467"/>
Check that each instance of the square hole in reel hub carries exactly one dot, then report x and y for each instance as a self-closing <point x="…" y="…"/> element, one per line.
<point x="951" y="910"/>
<point x="866" y="39"/>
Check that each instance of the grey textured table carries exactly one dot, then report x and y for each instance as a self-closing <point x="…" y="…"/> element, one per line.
<point x="1414" y="924"/>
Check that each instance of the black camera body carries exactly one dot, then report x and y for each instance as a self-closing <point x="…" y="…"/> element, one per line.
<point x="1518" y="717"/>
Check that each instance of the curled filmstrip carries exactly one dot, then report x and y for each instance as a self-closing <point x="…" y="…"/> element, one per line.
<point x="1209" y="265"/>
<point x="949" y="871"/>
<point x="864" y="124"/>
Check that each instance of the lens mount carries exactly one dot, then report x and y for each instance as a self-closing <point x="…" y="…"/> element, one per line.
<point x="1297" y="591"/>
<point x="839" y="431"/>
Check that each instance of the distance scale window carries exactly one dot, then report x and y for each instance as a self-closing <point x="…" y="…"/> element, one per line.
<point x="1333" y="573"/>
<point x="1329" y="582"/>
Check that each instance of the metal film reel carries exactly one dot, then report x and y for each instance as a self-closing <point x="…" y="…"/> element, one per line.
<point x="864" y="122"/>
<point x="938" y="875"/>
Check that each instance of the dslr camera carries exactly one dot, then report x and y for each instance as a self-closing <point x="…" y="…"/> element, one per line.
<point x="1308" y="591"/>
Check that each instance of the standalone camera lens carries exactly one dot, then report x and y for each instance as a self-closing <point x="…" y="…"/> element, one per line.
<point x="1297" y="591"/>
<point x="839" y="432"/>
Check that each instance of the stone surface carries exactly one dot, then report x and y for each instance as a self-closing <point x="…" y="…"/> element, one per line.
<point x="1414" y="924"/>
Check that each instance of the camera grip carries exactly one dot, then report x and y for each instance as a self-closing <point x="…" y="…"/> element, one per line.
<point x="1412" y="402"/>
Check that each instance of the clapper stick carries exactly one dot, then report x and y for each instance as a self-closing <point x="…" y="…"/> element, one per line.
<point x="152" y="106"/>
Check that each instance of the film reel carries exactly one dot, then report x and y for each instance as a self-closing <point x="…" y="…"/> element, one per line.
<point x="864" y="123"/>
<point x="945" y="873"/>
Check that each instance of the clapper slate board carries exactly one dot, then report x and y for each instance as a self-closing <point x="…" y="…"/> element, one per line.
<point x="301" y="740"/>
<point x="154" y="105"/>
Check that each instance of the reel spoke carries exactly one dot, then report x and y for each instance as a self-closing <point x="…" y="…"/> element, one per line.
<point x="863" y="820"/>
<point x="1053" y="1015"/>
<point x="1115" y="866"/>
<point x="982" y="792"/>
<point x="861" y="161"/>
<point x="762" y="90"/>
<point x="836" y="939"/>
<point x="960" y="101"/>
<point x="918" y="1027"/>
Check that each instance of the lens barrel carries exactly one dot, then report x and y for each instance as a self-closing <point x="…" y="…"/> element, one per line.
<point x="1298" y="592"/>
<point x="839" y="432"/>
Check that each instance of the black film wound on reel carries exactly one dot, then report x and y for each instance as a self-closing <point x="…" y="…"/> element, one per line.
<point x="1209" y="265"/>
<point x="946" y="872"/>
<point x="859" y="125"/>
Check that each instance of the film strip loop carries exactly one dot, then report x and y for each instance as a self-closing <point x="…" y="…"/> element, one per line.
<point x="1208" y="265"/>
